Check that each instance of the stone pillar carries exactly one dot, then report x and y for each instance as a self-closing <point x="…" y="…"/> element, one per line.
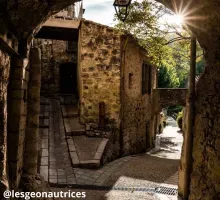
<point x="33" y="111"/>
<point x="17" y="91"/>
<point x="4" y="74"/>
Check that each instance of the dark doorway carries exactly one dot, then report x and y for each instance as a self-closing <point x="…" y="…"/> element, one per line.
<point x="68" y="78"/>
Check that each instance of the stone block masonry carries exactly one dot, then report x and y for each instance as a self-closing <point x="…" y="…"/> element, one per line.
<point x="136" y="106"/>
<point x="33" y="111"/>
<point x="99" y="71"/>
<point x="54" y="53"/>
<point x="4" y="77"/>
<point x="17" y="112"/>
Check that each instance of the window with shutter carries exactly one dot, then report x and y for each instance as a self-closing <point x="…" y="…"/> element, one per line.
<point x="130" y="80"/>
<point x="146" y="78"/>
<point x="149" y="79"/>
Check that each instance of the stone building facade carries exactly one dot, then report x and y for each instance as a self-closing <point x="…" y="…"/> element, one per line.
<point x="110" y="70"/>
<point x="99" y="63"/>
<point x="137" y="115"/>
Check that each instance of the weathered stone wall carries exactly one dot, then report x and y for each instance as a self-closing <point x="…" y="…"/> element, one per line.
<point x="33" y="111"/>
<point x="54" y="53"/>
<point x="205" y="178"/>
<point x="4" y="77"/>
<point x="17" y="114"/>
<point x="99" y="71"/>
<point x="136" y="108"/>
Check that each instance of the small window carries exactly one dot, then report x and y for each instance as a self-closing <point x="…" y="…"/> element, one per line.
<point x="71" y="46"/>
<point x="130" y="80"/>
<point x="146" y="78"/>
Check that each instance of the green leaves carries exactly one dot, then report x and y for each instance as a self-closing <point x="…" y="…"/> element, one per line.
<point x="167" y="45"/>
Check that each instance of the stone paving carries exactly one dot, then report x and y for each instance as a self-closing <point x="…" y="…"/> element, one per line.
<point x="144" y="170"/>
<point x="55" y="165"/>
<point x="98" y="177"/>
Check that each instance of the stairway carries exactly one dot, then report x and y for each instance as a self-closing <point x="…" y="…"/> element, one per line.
<point x="85" y="152"/>
<point x="63" y="140"/>
<point x="70" y="112"/>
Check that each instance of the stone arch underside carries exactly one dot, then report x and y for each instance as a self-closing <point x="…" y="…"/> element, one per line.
<point x="24" y="17"/>
<point x="164" y="97"/>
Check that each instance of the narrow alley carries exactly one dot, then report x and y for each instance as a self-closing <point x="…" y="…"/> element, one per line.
<point x="139" y="176"/>
<point x="121" y="62"/>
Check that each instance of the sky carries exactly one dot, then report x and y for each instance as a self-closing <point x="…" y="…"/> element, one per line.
<point x="101" y="11"/>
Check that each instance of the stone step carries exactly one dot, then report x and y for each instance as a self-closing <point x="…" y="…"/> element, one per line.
<point x="74" y="159"/>
<point x="72" y="151"/>
<point x="44" y="101"/>
<point x="67" y="126"/>
<point x="76" y="133"/>
<point x="69" y="103"/>
<point x="44" y="111"/>
<point x="89" y="164"/>
<point x="44" y="115"/>
<point x="44" y="123"/>
<point x="68" y="100"/>
<point x="69" y="111"/>
<point x="73" y="127"/>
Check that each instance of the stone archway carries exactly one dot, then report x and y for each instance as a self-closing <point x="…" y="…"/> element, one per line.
<point x="206" y="173"/>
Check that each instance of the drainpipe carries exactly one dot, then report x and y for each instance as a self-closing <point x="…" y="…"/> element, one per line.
<point x="122" y="95"/>
<point x="191" y="119"/>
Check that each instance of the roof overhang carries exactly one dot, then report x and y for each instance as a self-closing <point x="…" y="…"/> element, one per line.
<point x="59" y="29"/>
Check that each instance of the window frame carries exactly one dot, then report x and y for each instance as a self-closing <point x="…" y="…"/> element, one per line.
<point x="146" y="82"/>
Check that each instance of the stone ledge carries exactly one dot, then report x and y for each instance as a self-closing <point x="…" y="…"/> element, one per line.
<point x="67" y="126"/>
<point x="71" y="145"/>
<point x="69" y="131"/>
<point x="64" y="112"/>
<point x="102" y="146"/>
<point x="91" y="164"/>
<point x="74" y="159"/>
<point x="73" y="153"/>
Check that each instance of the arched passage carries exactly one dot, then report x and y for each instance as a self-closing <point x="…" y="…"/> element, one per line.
<point x="206" y="133"/>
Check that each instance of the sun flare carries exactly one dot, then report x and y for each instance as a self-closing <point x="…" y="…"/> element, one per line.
<point x="177" y="19"/>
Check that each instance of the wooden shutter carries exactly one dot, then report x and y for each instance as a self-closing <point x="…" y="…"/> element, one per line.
<point x="149" y="79"/>
<point x="146" y="78"/>
<point x="143" y="78"/>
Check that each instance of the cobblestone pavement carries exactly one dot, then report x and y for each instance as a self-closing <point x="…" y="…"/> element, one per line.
<point x="100" y="176"/>
<point x="55" y="165"/>
<point x="148" y="170"/>
<point x="60" y="169"/>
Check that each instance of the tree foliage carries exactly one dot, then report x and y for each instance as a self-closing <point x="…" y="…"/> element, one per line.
<point x="167" y="45"/>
